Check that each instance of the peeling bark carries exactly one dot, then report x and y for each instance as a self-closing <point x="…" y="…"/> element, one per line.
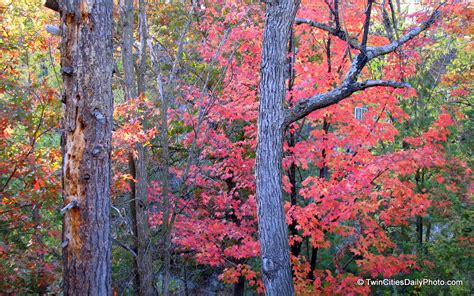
<point x="86" y="49"/>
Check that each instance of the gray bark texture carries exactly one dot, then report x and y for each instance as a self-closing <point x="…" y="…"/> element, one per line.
<point x="86" y="67"/>
<point x="273" y="231"/>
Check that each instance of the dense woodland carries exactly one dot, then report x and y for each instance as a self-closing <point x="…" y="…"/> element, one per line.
<point x="202" y="147"/>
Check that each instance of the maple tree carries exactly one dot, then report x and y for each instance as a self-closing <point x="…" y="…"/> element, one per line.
<point x="378" y="185"/>
<point x="357" y="153"/>
<point x="29" y="157"/>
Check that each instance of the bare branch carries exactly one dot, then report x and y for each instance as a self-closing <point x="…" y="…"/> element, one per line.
<point x="350" y="84"/>
<point x="333" y="31"/>
<point x="179" y="53"/>
<point x="394" y="18"/>
<point x="365" y="36"/>
<point x="336" y="14"/>
<point x="386" y="23"/>
<point x="388" y="83"/>
<point x="120" y="244"/>
<point x="319" y="101"/>
<point x="373" y="52"/>
<point x="333" y="12"/>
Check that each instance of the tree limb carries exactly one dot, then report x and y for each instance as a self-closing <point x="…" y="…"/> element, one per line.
<point x="394" y="18"/>
<point x="350" y="84"/>
<point x="319" y="101"/>
<point x="365" y="35"/>
<point x="333" y="31"/>
<point x="118" y="243"/>
<point x="373" y="52"/>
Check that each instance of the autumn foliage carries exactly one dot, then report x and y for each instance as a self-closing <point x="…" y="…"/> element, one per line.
<point x="361" y="177"/>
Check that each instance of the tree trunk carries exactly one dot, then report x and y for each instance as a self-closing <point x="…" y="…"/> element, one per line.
<point x="143" y="260"/>
<point x="292" y="140"/>
<point x="143" y="279"/>
<point x="167" y="223"/>
<point x="420" y="184"/>
<point x="87" y="64"/>
<point x="37" y="238"/>
<point x="273" y="231"/>
<point x="428" y="232"/>
<point x="419" y="230"/>
<point x="143" y="32"/>
<point x="314" y="258"/>
<point x="239" y="287"/>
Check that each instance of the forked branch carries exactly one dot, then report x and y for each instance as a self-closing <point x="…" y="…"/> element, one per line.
<point x="333" y="31"/>
<point x="350" y="84"/>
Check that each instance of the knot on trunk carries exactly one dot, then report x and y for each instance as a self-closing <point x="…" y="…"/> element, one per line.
<point x="268" y="265"/>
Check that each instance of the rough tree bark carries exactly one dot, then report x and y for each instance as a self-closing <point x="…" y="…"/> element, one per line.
<point x="86" y="67"/>
<point x="143" y="279"/>
<point x="274" y="119"/>
<point x="273" y="232"/>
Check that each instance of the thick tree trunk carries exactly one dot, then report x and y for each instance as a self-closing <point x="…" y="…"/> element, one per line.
<point x="143" y="280"/>
<point x="273" y="231"/>
<point x="87" y="64"/>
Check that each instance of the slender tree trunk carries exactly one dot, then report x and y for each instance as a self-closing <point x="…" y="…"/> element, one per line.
<point x="143" y="260"/>
<point x="143" y="280"/>
<point x="273" y="231"/>
<point x="428" y="232"/>
<point x="133" y="217"/>
<point x="322" y="174"/>
<point x="143" y="32"/>
<point x="87" y="64"/>
<point x="167" y="223"/>
<point x="419" y="229"/>
<point x="239" y="287"/>
<point x="130" y="92"/>
<point x="185" y="274"/>
<point x="420" y="183"/>
<point x="164" y="91"/>
<point x="41" y="286"/>
<point x="314" y="258"/>
<point x="130" y="87"/>
<point x="296" y="247"/>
